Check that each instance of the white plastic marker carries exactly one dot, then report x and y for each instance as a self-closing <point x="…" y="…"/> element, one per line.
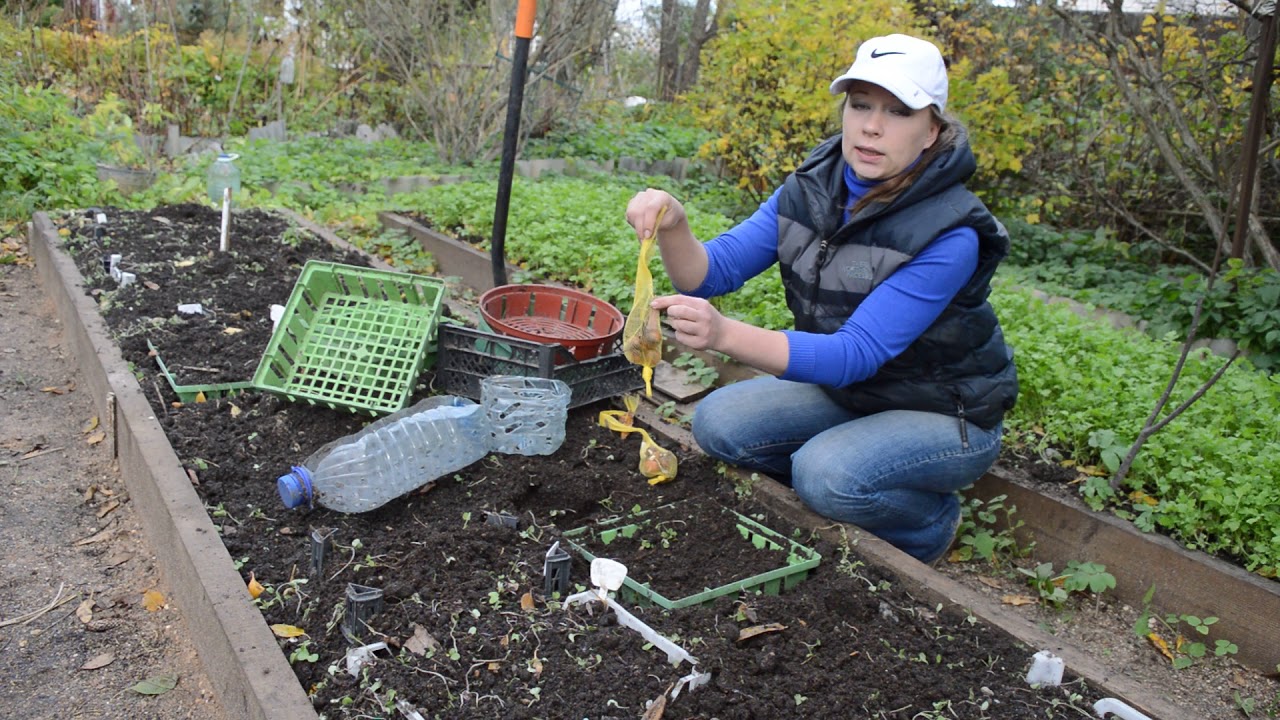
<point x="1112" y="706"/>
<point x="223" y="243"/>
<point x="1046" y="670"/>
<point x="607" y="575"/>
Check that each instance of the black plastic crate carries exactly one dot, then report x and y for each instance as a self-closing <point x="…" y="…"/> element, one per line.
<point x="466" y="356"/>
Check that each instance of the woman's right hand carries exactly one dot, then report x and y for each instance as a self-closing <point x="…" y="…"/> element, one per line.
<point x="643" y="208"/>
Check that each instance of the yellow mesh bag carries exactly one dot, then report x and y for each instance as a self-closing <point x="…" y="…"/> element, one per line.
<point x="642" y="333"/>
<point x="656" y="462"/>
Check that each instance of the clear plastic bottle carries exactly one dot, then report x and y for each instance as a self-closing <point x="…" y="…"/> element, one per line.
<point x="527" y="414"/>
<point x="390" y="457"/>
<point x="223" y="174"/>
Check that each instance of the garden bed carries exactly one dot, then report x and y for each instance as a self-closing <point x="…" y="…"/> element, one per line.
<point x="849" y="636"/>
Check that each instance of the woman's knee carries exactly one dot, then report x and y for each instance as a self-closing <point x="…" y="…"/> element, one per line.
<point x="714" y="429"/>
<point x="826" y="486"/>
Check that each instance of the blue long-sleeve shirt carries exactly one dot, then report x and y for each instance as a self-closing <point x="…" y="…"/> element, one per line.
<point x="892" y="316"/>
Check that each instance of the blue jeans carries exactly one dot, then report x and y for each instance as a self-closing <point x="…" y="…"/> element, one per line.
<point x="893" y="473"/>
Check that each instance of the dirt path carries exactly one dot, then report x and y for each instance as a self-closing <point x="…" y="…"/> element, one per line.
<point x="75" y="565"/>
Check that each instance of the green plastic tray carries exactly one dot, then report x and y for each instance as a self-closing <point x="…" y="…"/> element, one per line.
<point x="800" y="560"/>
<point x="352" y="338"/>
<point x="191" y="393"/>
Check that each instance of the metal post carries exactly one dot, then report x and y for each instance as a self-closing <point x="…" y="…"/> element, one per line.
<point x="525" y="13"/>
<point x="1257" y="118"/>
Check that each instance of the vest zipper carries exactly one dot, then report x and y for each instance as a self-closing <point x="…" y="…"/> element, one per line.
<point x="823" y="247"/>
<point x="964" y="426"/>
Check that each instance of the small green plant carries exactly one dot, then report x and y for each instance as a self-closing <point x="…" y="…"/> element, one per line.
<point x="303" y="653"/>
<point x="1181" y="652"/>
<point x="669" y="412"/>
<point x="1046" y="583"/>
<point x="986" y="531"/>
<point x="697" y="369"/>
<point x="1087" y="577"/>
<point x="1077" y="577"/>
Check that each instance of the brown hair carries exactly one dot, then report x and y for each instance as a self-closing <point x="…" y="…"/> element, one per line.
<point x="887" y="191"/>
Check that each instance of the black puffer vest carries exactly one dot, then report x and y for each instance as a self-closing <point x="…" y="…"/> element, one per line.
<point x="961" y="365"/>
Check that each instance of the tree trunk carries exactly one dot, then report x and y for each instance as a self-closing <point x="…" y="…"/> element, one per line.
<point x="701" y="31"/>
<point x="668" y="50"/>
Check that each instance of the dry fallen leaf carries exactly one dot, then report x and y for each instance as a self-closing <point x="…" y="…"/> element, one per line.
<point x="287" y="631"/>
<point x="255" y="587"/>
<point x="150" y="285"/>
<point x="235" y="410"/>
<point x="53" y="390"/>
<point x="421" y="642"/>
<point x="39" y="450"/>
<point x="96" y="438"/>
<point x="99" y="661"/>
<point x="85" y="610"/>
<point x="106" y="509"/>
<point x="103" y="534"/>
<point x="495" y="666"/>
<point x="184" y="263"/>
<point x="117" y="558"/>
<point x="90" y="425"/>
<point x="231" y="331"/>
<point x="1142" y="498"/>
<point x="156" y="685"/>
<point x="989" y="581"/>
<point x="1017" y="600"/>
<point x="655" y="710"/>
<point x="1160" y="644"/>
<point x="88" y="492"/>
<point x="747" y="633"/>
<point x="152" y="600"/>
<point x="535" y="665"/>
<point x="526" y="602"/>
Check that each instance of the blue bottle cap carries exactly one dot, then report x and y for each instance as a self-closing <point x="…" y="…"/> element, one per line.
<point x="295" y="488"/>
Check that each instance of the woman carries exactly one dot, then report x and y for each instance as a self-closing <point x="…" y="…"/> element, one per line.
<point x="888" y="396"/>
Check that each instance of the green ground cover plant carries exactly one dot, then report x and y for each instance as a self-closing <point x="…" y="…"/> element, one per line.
<point x="1096" y="268"/>
<point x="647" y="132"/>
<point x="1211" y="473"/>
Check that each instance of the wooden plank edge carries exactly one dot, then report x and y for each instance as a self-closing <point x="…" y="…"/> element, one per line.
<point x="249" y="674"/>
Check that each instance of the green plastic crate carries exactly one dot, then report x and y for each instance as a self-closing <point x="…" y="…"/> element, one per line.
<point x="352" y="338"/>
<point x="799" y="561"/>
<point x="191" y="393"/>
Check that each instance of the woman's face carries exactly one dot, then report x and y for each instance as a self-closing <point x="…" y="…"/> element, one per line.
<point x="882" y="136"/>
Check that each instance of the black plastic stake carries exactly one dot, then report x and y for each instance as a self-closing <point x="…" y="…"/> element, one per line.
<point x="525" y="12"/>
<point x="362" y="604"/>
<point x="498" y="519"/>
<point x="555" y="571"/>
<point x="321" y="543"/>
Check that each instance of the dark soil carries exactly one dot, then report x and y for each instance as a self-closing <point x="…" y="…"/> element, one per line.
<point x="470" y="630"/>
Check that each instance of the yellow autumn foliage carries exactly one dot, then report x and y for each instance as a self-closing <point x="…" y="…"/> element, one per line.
<point x="763" y="88"/>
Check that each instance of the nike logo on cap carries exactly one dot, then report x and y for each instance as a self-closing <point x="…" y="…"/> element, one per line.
<point x="875" y="54"/>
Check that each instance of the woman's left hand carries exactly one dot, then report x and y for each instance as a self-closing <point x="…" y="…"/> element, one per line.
<point x="696" y="323"/>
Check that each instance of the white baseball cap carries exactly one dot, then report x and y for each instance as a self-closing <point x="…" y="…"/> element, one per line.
<point x="910" y="68"/>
